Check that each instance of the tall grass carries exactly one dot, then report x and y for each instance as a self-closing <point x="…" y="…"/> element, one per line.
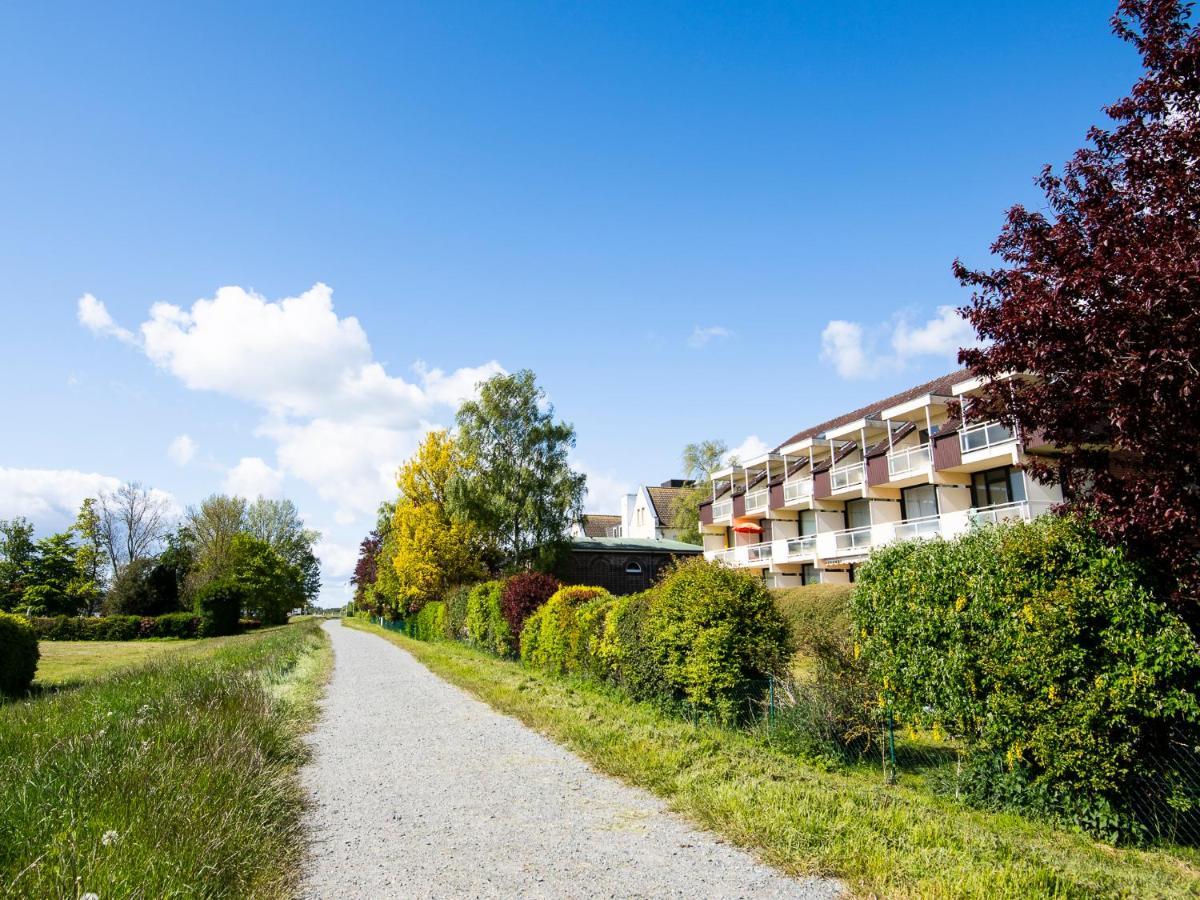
<point x="173" y="780"/>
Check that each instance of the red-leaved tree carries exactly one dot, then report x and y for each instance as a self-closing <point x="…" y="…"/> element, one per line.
<point x="1099" y="301"/>
<point x="366" y="567"/>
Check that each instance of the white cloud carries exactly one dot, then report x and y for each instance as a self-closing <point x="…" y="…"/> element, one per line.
<point x="181" y="450"/>
<point x="50" y="498"/>
<point x="702" y="337"/>
<point x="252" y="478"/>
<point x="604" y="490"/>
<point x="751" y="447"/>
<point x="94" y="316"/>
<point x="854" y="353"/>
<point x="337" y="560"/>
<point x="341" y="423"/>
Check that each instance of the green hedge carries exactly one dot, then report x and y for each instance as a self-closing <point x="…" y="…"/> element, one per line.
<point x="18" y="654"/>
<point x="430" y="623"/>
<point x="219" y="606"/>
<point x="456" y="611"/>
<point x="556" y="637"/>
<point x="486" y="626"/>
<point x="1043" y="651"/>
<point x="115" y="628"/>
<point x="816" y="613"/>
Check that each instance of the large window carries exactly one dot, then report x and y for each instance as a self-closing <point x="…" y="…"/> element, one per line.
<point x="996" y="486"/>
<point x="809" y="574"/>
<point x="918" y="502"/>
<point x="808" y="522"/>
<point x="858" y="513"/>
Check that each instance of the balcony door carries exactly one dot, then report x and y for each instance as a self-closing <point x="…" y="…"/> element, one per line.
<point x="994" y="487"/>
<point x="858" y="513"/>
<point x="918" y="502"/>
<point x="808" y="522"/>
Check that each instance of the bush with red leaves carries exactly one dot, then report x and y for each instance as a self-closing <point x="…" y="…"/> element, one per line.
<point x="523" y="594"/>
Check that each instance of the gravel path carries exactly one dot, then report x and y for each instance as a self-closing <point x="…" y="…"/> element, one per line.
<point x="423" y="791"/>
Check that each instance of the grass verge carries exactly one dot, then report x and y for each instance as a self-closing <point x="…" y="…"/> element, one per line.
<point x="175" y="779"/>
<point x="70" y="662"/>
<point x="889" y="841"/>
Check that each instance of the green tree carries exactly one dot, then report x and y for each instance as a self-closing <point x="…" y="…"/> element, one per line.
<point x="278" y="523"/>
<point x="211" y="528"/>
<point x="271" y="587"/>
<point x="700" y="460"/>
<point x="16" y="561"/>
<point x="52" y="573"/>
<point x="145" y="587"/>
<point x="88" y="585"/>
<point x="516" y="483"/>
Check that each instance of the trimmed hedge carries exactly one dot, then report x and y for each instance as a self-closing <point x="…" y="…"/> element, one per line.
<point x="523" y="594"/>
<point x="116" y="628"/>
<point x="556" y="637"/>
<point x="1068" y="683"/>
<point x="456" y="611"/>
<point x="429" y="623"/>
<point x="487" y="628"/>
<point x="816" y="613"/>
<point x="18" y="654"/>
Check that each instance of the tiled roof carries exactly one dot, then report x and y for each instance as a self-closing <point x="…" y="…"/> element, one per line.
<point x="665" y="501"/>
<point x="597" y="526"/>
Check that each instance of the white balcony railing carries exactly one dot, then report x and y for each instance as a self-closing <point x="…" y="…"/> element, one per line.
<point x="845" y="477"/>
<point x="925" y="527"/>
<point x="797" y="491"/>
<point x="912" y="459"/>
<point x="722" y="509"/>
<point x="852" y="540"/>
<point x="1021" y="510"/>
<point x="724" y="557"/>
<point x="757" y="554"/>
<point x="756" y="501"/>
<point x="801" y="547"/>
<point x="984" y="436"/>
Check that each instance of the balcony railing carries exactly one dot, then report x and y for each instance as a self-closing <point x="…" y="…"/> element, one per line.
<point x="1019" y="511"/>
<point x="758" y="553"/>
<point x="724" y="557"/>
<point x="925" y="527"/>
<point x="722" y="509"/>
<point x="798" y="547"/>
<point x="852" y="540"/>
<point x="983" y="436"/>
<point x="797" y="491"/>
<point x="756" y="501"/>
<point x="905" y="462"/>
<point x="846" y="477"/>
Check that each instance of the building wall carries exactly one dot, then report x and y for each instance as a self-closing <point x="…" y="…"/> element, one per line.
<point x="607" y="569"/>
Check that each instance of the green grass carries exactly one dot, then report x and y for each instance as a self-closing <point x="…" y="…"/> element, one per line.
<point x="891" y="841"/>
<point x="70" y="662"/>
<point x="188" y="764"/>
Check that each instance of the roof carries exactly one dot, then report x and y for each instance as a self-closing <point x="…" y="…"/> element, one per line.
<point x="665" y="501"/>
<point x="940" y="385"/>
<point x="626" y="545"/>
<point x="597" y="525"/>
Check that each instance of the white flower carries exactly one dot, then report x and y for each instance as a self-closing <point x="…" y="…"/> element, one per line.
<point x="90" y="895"/>
<point x="110" y="837"/>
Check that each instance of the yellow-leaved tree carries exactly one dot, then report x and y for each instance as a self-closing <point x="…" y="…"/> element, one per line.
<point x="432" y="550"/>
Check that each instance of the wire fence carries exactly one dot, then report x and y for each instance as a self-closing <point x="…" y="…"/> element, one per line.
<point x="851" y="732"/>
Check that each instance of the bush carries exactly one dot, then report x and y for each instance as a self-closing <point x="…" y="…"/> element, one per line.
<point x="218" y="604"/>
<point x="717" y="636"/>
<point x="553" y="639"/>
<point x="18" y="654"/>
<point x="1043" y="650"/>
<point x="456" y="611"/>
<point x="112" y="628"/>
<point x="523" y="594"/>
<point x="177" y="625"/>
<point x="624" y="656"/>
<point x="429" y="623"/>
<point x="116" y="628"/>
<point x="145" y="587"/>
<point x="486" y="626"/>
<point x="816" y="613"/>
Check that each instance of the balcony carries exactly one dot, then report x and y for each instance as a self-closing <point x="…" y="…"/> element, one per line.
<point x="911" y="461"/>
<point x="984" y="436"/>
<point x="852" y="542"/>
<point x="804" y="547"/>
<point x="844" y="478"/>
<point x="925" y="527"/>
<point x="1020" y="511"/>
<point x="757" y="554"/>
<point x="756" y="501"/>
<point x="797" y="491"/>
<point x="722" y="509"/>
<point x="725" y="557"/>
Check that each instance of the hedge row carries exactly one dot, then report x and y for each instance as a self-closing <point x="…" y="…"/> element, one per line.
<point x="18" y="654"/>
<point x="129" y="628"/>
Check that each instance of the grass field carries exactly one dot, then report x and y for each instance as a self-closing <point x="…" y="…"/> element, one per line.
<point x="70" y="662"/>
<point x="174" y="779"/>
<point x="887" y="841"/>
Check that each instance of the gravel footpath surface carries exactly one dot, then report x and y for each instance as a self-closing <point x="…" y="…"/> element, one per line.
<point x="420" y="790"/>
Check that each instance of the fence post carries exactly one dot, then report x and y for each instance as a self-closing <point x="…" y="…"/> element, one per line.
<point x="770" y="701"/>
<point x="891" y="775"/>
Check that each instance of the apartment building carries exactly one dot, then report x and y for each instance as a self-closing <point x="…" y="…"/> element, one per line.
<point x="905" y="467"/>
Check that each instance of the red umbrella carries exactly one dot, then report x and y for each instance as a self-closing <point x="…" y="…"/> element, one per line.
<point x="747" y="527"/>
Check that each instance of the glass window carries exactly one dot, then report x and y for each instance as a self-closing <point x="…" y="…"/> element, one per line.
<point x="996" y="486"/>
<point x="633" y="568"/>
<point x="809" y="574"/>
<point x="858" y="513"/>
<point x="808" y="522"/>
<point x="918" y="502"/>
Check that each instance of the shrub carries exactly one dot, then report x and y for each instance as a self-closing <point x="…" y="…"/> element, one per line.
<point x="59" y="628"/>
<point x="18" y="654"/>
<point x="144" y="587"/>
<point x="623" y="654"/>
<point x="429" y="623"/>
<point x="112" y="628"/>
<point x="1045" y="653"/>
<point x="218" y="604"/>
<point x="177" y="625"/>
<point x="486" y="626"/>
<point x="552" y="639"/>
<point x="523" y="594"/>
<point x="456" y="611"/>
<point x="816" y="613"/>
<point x="717" y="636"/>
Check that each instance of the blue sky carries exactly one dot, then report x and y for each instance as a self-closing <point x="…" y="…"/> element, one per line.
<point x="659" y="208"/>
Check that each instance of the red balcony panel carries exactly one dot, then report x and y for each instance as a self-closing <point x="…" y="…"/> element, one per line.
<point x="739" y="505"/>
<point x="775" y="500"/>
<point x="706" y="514"/>
<point x="821" y="489"/>
<point x="877" y="469"/>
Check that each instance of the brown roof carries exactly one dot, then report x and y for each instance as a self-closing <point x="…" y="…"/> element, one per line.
<point x="665" y="501"/>
<point x="940" y="385"/>
<point x="597" y="525"/>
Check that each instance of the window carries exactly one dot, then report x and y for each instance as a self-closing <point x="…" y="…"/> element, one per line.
<point x="633" y="568"/>
<point x="858" y="513"/>
<point x="918" y="502"/>
<point x="997" y="486"/>
<point x="809" y="574"/>
<point x="808" y="522"/>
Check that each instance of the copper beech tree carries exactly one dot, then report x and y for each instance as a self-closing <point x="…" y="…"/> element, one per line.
<point x="1098" y="300"/>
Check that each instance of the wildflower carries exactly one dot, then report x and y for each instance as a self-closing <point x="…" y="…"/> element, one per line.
<point x="109" y="837"/>
<point x="960" y="604"/>
<point x="90" y="895"/>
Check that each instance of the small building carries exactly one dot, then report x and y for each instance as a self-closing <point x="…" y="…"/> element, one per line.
<point x="651" y="513"/>
<point x="597" y="526"/>
<point x="620" y="565"/>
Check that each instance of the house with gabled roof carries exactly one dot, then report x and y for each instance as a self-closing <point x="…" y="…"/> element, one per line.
<point x="652" y="512"/>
